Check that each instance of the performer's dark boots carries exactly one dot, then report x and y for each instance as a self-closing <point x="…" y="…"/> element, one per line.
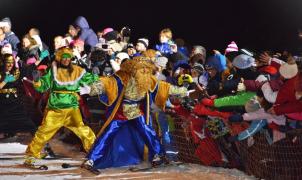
<point x="159" y="160"/>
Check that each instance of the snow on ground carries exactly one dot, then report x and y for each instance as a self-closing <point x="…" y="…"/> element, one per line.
<point x="11" y="159"/>
<point x="12" y="148"/>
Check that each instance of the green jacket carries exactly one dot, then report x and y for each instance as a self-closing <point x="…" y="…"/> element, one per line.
<point x="64" y="86"/>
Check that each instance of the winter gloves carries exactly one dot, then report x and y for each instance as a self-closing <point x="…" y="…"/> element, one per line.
<point x="9" y="78"/>
<point x="44" y="54"/>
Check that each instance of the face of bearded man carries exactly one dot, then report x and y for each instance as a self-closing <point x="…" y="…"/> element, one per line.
<point x="143" y="80"/>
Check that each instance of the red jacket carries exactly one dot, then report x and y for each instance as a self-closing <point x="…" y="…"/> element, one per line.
<point x="290" y="107"/>
<point x="287" y="92"/>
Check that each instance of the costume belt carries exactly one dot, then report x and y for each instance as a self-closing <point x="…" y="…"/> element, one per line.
<point x="68" y="92"/>
<point x="8" y="91"/>
<point x="128" y="101"/>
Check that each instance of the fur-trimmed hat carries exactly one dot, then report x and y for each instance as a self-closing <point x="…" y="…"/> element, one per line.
<point x="144" y="41"/>
<point x="288" y="70"/>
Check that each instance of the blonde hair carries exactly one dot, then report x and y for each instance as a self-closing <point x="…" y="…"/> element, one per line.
<point x="166" y="32"/>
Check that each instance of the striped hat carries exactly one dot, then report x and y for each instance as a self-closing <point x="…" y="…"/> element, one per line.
<point x="231" y="47"/>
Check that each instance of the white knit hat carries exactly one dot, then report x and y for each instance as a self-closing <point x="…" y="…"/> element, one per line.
<point x="288" y="71"/>
<point x="144" y="41"/>
<point x="231" y="47"/>
<point x="122" y="56"/>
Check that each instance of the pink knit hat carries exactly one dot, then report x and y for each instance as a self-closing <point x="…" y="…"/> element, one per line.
<point x="231" y="47"/>
<point x="107" y="30"/>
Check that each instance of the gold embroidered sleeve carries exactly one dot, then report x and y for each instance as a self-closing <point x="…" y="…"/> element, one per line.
<point x="97" y="88"/>
<point x="181" y="91"/>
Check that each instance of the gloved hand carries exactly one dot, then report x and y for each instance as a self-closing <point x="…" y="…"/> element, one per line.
<point x="9" y="78"/>
<point x="44" y="54"/>
<point x="85" y="89"/>
<point x="236" y="118"/>
<point x="261" y="78"/>
<point x="36" y="75"/>
<point x="241" y="87"/>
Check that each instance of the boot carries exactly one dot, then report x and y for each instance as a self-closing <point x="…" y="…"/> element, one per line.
<point x="29" y="161"/>
<point x="159" y="160"/>
<point x="88" y="165"/>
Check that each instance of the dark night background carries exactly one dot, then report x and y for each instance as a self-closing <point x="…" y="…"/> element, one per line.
<point x="254" y="24"/>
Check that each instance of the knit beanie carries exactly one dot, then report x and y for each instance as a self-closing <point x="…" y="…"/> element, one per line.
<point x="144" y="41"/>
<point x="122" y="56"/>
<point x="107" y="30"/>
<point x="231" y="47"/>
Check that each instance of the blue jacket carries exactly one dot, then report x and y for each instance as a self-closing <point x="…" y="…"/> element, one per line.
<point x="87" y="34"/>
<point x="164" y="48"/>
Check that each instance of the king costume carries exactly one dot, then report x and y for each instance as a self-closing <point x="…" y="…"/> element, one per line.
<point x="127" y="137"/>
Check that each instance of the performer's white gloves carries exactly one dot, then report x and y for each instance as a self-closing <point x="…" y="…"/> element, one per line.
<point x="85" y="89"/>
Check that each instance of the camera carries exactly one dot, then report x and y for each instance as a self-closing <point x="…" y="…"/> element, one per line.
<point x="105" y="46"/>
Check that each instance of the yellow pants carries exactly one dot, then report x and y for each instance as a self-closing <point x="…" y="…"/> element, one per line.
<point x="53" y="120"/>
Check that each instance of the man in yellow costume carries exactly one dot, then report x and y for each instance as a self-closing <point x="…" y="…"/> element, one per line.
<point x="63" y="81"/>
<point x="127" y="137"/>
